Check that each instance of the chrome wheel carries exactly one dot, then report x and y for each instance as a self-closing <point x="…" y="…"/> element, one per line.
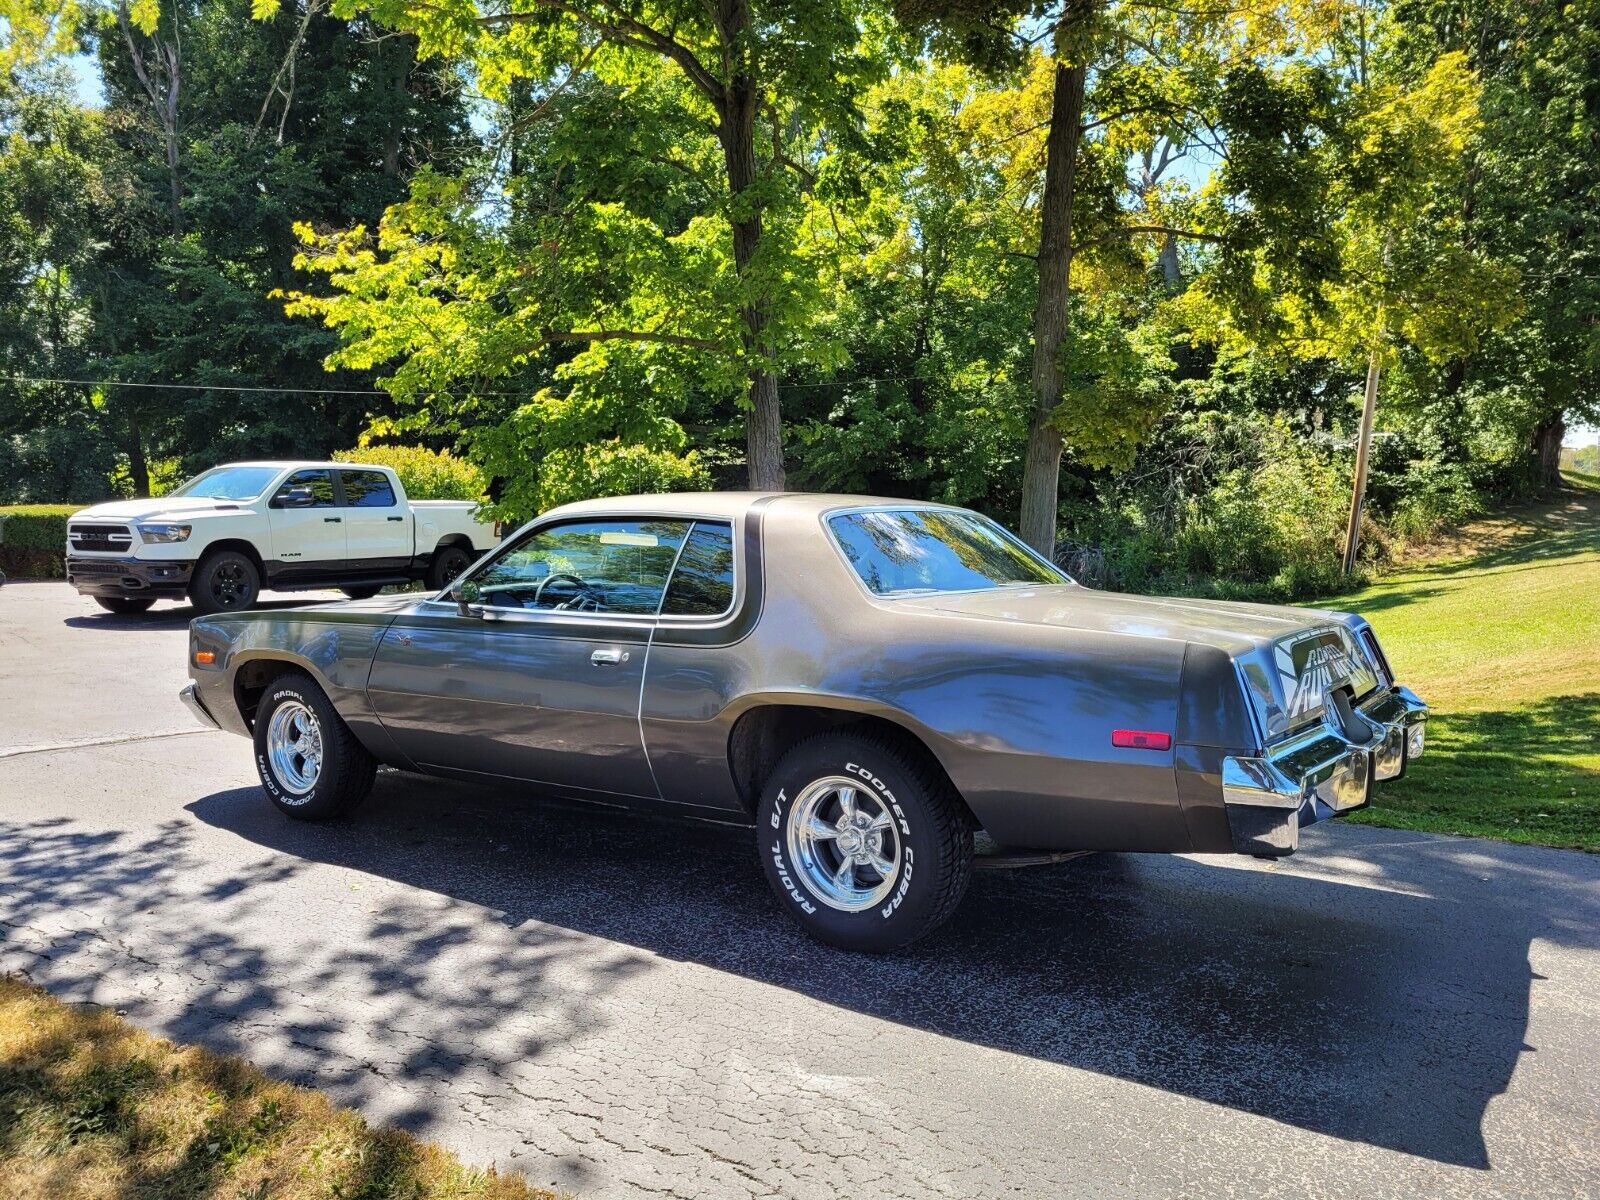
<point x="845" y="844"/>
<point x="294" y="747"/>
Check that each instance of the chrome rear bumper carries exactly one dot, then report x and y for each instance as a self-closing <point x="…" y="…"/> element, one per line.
<point x="1322" y="771"/>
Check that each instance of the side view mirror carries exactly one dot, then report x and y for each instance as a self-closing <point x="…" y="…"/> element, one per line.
<point x="465" y="593"/>
<point x="298" y="496"/>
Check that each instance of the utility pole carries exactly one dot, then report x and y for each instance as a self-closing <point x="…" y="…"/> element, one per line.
<point x="1358" y="494"/>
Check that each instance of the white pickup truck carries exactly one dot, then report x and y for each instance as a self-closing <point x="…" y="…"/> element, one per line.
<point x="237" y="529"/>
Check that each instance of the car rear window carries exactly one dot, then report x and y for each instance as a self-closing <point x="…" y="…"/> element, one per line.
<point x="899" y="552"/>
<point x="367" y="489"/>
<point x="702" y="583"/>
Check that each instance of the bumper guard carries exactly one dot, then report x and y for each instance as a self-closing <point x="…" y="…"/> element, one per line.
<point x="1321" y="772"/>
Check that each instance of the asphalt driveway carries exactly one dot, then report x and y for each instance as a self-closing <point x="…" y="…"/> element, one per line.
<point x="615" y="1005"/>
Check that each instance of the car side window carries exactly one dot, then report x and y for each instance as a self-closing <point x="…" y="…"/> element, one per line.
<point x="608" y="566"/>
<point x="367" y="489"/>
<point x="319" y="481"/>
<point x="702" y="583"/>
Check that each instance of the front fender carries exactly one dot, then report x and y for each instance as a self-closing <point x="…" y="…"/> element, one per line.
<point x="335" y="649"/>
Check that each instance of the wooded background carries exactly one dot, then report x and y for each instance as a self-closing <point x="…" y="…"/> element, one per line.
<point x="1115" y="273"/>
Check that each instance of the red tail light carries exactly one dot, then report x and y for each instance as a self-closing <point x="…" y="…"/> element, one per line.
<point x="1141" y="739"/>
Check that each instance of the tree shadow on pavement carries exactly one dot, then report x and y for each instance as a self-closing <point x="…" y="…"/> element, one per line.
<point x="1381" y="998"/>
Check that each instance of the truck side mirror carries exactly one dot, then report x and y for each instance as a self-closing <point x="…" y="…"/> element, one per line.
<point x="465" y="593"/>
<point x="298" y="496"/>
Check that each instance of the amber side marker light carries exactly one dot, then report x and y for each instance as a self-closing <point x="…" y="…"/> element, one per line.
<point x="1141" y="739"/>
<point x="205" y="657"/>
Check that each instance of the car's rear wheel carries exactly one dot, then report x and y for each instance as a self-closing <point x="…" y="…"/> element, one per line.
<point x="447" y="563"/>
<point x="361" y="593"/>
<point x="864" y="841"/>
<point x="126" y="605"/>
<point x="311" y="766"/>
<point x="225" y="581"/>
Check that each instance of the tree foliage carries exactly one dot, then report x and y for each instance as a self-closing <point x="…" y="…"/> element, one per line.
<point x="1117" y="264"/>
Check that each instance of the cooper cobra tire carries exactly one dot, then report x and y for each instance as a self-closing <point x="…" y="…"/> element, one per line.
<point x="225" y="581"/>
<point x="361" y="593"/>
<point x="126" y="605"/>
<point x="903" y="813"/>
<point x="311" y="765"/>
<point x="446" y="564"/>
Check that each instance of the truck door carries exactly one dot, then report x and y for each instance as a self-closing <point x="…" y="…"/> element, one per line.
<point x="378" y="537"/>
<point x="307" y="526"/>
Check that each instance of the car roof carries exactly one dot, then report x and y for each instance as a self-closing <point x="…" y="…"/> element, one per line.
<point x="727" y="505"/>
<point x="299" y="464"/>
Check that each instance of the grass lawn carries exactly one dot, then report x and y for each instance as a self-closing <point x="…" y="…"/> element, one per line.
<point x="1501" y="636"/>
<point x="93" y="1109"/>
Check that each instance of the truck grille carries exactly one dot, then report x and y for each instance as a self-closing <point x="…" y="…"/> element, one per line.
<point x="81" y="567"/>
<point x="114" y="539"/>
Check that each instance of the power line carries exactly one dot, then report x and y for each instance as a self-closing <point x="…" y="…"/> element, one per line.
<point x="302" y="391"/>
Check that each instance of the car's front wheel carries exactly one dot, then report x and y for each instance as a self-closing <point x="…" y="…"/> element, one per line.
<point x="864" y="841"/>
<point x="310" y="764"/>
<point x="126" y="605"/>
<point x="225" y="581"/>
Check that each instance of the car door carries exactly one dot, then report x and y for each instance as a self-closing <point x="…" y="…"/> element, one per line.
<point x="307" y="526"/>
<point x="541" y="680"/>
<point x="377" y="525"/>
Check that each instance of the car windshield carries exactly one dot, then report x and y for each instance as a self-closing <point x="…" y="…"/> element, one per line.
<point x="229" y="483"/>
<point x="899" y="552"/>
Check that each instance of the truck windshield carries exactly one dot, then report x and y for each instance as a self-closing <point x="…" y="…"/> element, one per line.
<point x="228" y="483"/>
<point x="899" y="552"/>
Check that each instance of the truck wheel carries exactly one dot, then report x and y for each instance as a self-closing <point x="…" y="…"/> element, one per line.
<point x="311" y="765"/>
<point x="361" y="593"/>
<point x="866" y="844"/>
<point x="448" y="562"/>
<point x="224" y="582"/>
<point x="127" y="605"/>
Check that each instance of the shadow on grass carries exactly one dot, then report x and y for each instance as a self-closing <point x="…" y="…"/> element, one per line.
<point x="1506" y="773"/>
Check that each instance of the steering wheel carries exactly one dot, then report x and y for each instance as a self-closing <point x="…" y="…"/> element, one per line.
<point x="582" y="589"/>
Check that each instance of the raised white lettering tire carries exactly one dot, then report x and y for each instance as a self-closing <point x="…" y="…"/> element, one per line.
<point x="864" y="841"/>
<point x="311" y="766"/>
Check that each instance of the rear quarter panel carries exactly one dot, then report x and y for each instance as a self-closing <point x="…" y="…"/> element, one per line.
<point x="1019" y="716"/>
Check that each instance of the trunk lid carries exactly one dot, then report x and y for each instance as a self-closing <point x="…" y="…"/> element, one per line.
<point x="1229" y="625"/>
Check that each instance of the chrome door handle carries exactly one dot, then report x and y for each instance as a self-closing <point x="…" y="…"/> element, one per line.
<point x="608" y="658"/>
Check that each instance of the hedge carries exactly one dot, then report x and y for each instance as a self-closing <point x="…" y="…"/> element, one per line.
<point x="33" y="540"/>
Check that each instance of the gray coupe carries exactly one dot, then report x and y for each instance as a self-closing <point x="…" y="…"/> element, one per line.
<point x="869" y="682"/>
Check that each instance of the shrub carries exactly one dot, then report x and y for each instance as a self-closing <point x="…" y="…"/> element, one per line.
<point x="33" y="541"/>
<point x="425" y="474"/>
<point x="610" y="468"/>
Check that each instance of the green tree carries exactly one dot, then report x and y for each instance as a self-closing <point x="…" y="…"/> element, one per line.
<point x="770" y="81"/>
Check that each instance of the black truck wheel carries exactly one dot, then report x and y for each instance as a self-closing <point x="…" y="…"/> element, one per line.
<point x="447" y="563"/>
<point x="126" y="605"/>
<point x="225" y="581"/>
<point x="864" y="841"/>
<point x="311" y="766"/>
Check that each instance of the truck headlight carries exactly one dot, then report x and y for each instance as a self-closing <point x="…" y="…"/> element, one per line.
<point x="164" y="533"/>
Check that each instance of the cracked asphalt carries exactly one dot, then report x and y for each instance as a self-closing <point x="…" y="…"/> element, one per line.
<point x="614" y="1005"/>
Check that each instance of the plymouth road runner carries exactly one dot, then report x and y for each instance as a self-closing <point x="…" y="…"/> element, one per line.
<point x="867" y="682"/>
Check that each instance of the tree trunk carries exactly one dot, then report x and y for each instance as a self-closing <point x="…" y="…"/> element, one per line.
<point x="736" y="125"/>
<point x="1547" y="439"/>
<point x="1358" y="491"/>
<point x="138" y="465"/>
<point x="1041" y="466"/>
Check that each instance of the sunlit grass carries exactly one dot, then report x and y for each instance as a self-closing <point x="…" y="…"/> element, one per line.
<point x="1502" y="638"/>
<point x="93" y="1109"/>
